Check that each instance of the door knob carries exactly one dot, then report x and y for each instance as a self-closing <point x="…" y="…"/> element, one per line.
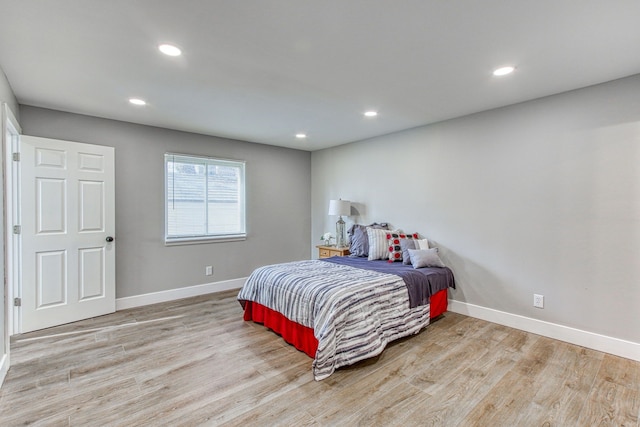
<point x="109" y="239"/>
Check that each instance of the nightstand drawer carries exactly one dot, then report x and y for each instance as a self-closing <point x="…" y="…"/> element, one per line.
<point x="329" y="251"/>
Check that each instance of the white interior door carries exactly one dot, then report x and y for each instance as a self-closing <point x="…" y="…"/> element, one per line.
<point x="68" y="220"/>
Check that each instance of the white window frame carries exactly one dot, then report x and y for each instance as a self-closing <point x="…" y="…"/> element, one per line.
<point x="210" y="237"/>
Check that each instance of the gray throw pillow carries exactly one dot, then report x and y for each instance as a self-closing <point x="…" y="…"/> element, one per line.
<point x="425" y="258"/>
<point x="359" y="244"/>
<point x="405" y="245"/>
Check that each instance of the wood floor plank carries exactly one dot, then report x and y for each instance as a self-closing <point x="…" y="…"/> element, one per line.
<point x="391" y="406"/>
<point x="460" y="396"/>
<point x="560" y="403"/>
<point x="340" y="404"/>
<point x="611" y="404"/>
<point x="438" y="372"/>
<point x="503" y="404"/>
<point x="261" y="393"/>
<point x="621" y="371"/>
<point x="195" y="362"/>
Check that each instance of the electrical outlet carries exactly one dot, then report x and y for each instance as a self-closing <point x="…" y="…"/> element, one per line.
<point x="208" y="270"/>
<point x="538" y="301"/>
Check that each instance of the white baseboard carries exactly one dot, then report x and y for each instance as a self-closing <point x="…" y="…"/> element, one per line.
<point x="4" y="367"/>
<point x="179" y="293"/>
<point x="616" y="346"/>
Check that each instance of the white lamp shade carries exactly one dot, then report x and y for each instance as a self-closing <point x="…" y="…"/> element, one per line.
<point x="339" y="207"/>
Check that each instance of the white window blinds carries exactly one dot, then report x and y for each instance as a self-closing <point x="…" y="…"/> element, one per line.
<point x="204" y="198"/>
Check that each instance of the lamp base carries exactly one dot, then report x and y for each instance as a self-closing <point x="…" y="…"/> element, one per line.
<point x="341" y="241"/>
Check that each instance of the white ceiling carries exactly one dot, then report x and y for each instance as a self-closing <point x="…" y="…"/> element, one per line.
<point x="264" y="70"/>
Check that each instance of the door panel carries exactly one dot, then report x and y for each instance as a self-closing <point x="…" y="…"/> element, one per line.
<point x="51" y="278"/>
<point x="51" y="158"/>
<point x="67" y="200"/>
<point x="91" y="206"/>
<point x="90" y="162"/>
<point x="51" y="205"/>
<point x="91" y="273"/>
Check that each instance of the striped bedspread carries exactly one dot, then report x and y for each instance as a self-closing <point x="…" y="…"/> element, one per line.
<point x="354" y="313"/>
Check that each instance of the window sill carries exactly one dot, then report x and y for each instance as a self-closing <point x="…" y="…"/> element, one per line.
<point x="179" y="241"/>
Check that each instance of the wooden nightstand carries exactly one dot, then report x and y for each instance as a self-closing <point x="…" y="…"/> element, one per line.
<point x="329" y="251"/>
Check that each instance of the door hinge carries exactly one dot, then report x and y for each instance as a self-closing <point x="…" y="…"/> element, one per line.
<point x="17" y="302"/>
<point x="16" y="157"/>
<point x="17" y="229"/>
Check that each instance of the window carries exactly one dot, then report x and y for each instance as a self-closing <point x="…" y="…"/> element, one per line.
<point x="204" y="199"/>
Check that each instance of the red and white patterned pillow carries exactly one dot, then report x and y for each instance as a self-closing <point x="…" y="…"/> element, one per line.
<point x="393" y="244"/>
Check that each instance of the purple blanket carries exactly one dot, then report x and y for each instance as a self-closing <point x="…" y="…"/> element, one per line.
<point x="421" y="282"/>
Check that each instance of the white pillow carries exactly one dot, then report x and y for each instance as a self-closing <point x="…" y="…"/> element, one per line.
<point x="425" y="258"/>
<point x="378" y="246"/>
<point x="422" y="244"/>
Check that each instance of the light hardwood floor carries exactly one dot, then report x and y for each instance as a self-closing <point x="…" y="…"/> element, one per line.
<point x="196" y="362"/>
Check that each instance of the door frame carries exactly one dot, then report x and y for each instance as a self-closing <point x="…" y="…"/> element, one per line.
<point x="12" y="214"/>
<point x="11" y="242"/>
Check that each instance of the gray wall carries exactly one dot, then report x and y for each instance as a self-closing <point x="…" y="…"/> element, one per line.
<point x="540" y="197"/>
<point x="278" y="201"/>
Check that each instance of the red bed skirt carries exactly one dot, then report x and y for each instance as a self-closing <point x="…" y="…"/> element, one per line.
<point x="302" y="337"/>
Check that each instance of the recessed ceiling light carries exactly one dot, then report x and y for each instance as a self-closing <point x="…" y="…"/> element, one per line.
<point x="169" y="49"/>
<point x="301" y="135"/>
<point x="137" y="101"/>
<point x="371" y="113"/>
<point x="503" y="71"/>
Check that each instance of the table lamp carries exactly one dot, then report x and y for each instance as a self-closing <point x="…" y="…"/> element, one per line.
<point x="341" y="208"/>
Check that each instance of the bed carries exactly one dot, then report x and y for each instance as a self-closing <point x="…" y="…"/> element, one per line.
<point x="342" y="310"/>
